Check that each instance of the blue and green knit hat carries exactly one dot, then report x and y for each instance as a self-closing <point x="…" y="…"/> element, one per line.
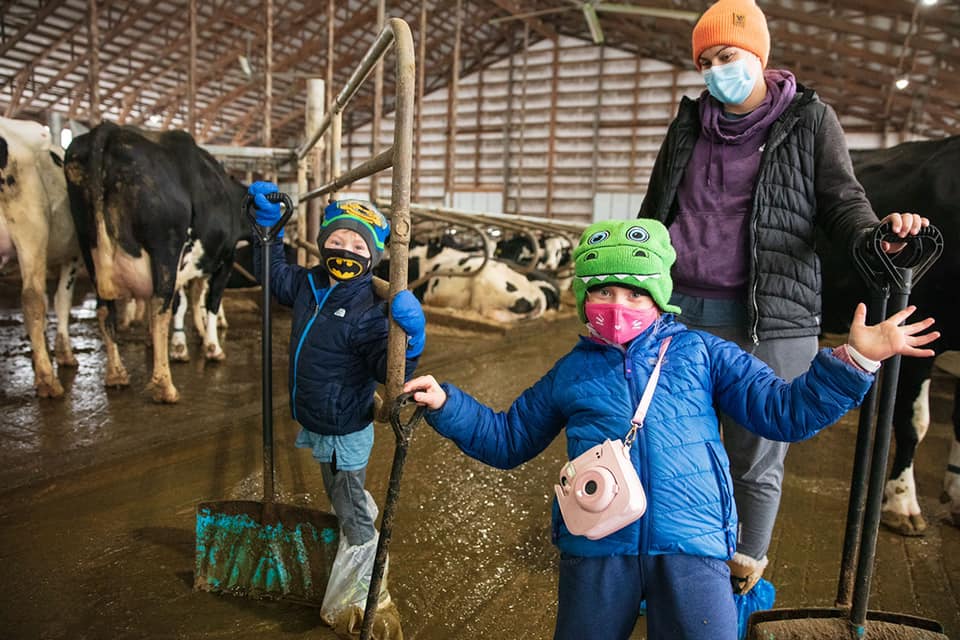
<point x="360" y="216"/>
<point x="630" y="253"/>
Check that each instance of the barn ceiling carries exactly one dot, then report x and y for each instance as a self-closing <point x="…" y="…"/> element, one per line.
<point x="851" y="51"/>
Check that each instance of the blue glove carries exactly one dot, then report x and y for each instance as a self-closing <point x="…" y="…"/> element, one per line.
<point x="268" y="213"/>
<point x="407" y="312"/>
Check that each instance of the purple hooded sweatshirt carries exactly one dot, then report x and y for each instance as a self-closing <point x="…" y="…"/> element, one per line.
<point x="715" y="197"/>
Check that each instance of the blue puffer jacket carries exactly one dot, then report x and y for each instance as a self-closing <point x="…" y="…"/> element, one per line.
<point x="594" y="390"/>
<point x="338" y="345"/>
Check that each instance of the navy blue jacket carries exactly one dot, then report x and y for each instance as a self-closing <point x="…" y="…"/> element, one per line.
<point x="338" y="345"/>
<point x="592" y="393"/>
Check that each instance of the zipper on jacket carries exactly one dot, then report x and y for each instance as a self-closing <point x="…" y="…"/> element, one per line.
<point x="303" y="336"/>
<point x="778" y="134"/>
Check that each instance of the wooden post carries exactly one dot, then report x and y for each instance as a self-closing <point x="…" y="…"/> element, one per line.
<point x="449" y="170"/>
<point x="595" y="157"/>
<point x="523" y="117"/>
<point x="192" y="73"/>
<point x="552" y="138"/>
<point x="422" y="56"/>
<point x="268" y="76"/>
<point x="634" y="128"/>
<point x="507" y="128"/>
<point x="310" y="213"/>
<point x="93" y="42"/>
<point x="377" y="106"/>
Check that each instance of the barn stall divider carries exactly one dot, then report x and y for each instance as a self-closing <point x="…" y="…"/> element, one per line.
<point x="259" y="558"/>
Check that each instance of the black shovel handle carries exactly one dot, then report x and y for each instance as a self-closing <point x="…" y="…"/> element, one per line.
<point x="403" y="431"/>
<point x="267" y="235"/>
<point x="891" y="277"/>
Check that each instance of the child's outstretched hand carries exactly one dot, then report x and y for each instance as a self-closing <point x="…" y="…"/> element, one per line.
<point x="427" y="391"/>
<point x="883" y="340"/>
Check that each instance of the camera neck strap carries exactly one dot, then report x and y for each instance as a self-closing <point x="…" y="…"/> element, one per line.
<point x="641" y="413"/>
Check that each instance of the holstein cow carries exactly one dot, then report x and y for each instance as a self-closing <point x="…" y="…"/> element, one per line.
<point x="35" y="227"/>
<point x="153" y="211"/>
<point x="918" y="177"/>
<point x="496" y="291"/>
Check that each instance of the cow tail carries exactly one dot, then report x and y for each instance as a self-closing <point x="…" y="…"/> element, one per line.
<point x="97" y="180"/>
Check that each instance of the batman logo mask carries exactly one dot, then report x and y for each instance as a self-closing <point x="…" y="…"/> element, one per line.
<point x="344" y="265"/>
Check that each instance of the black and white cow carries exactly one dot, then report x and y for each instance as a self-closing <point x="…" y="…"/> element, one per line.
<point x="36" y="230"/>
<point x="917" y="177"/>
<point x="555" y="251"/>
<point x="152" y="211"/>
<point x="496" y="291"/>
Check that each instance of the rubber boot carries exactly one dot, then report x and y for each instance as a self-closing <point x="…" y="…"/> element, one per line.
<point x="386" y="621"/>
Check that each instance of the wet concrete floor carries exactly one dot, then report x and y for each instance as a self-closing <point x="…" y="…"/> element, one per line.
<point x="98" y="489"/>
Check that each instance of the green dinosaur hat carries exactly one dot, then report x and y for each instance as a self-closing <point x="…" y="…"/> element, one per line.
<point x="631" y="253"/>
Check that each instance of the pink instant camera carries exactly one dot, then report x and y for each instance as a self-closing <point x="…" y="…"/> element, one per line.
<point x="600" y="492"/>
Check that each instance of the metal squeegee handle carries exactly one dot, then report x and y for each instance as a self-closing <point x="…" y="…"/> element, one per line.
<point x="902" y="270"/>
<point x="267" y="235"/>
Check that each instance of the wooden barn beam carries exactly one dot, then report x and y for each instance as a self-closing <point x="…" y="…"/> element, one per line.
<point x="42" y="14"/>
<point x="449" y="172"/>
<point x="377" y="105"/>
<point x="537" y="25"/>
<point x="310" y="46"/>
<point x="110" y="35"/>
<point x="421" y="72"/>
<point x="136" y="79"/>
<point x="552" y="138"/>
<point x="93" y="44"/>
<point x="268" y="74"/>
<point x="846" y="26"/>
<point x="192" y="71"/>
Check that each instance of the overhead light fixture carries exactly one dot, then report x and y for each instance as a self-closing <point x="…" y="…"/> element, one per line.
<point x="901" y="83"/>
<point x="245" y="66"/>
<point x="928" y="3"/>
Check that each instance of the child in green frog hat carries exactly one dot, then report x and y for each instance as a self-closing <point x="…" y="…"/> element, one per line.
<point x="673" y="554"/>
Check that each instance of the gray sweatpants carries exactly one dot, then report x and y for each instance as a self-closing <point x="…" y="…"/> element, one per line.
<point x="756" y="463"/>
<point x="345" y="490"/>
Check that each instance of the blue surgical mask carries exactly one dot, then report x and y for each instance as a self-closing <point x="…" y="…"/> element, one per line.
<point x="730" y="83"/>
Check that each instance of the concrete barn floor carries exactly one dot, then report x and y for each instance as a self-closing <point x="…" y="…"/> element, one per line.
<point x="97" y="496"/>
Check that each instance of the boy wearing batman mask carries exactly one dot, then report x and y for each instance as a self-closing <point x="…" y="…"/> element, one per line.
<point x="338" y="347"/>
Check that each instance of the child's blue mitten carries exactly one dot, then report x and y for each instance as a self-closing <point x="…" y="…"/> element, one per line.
<point x="408" y="313"/>
<point x="268" y="213"/>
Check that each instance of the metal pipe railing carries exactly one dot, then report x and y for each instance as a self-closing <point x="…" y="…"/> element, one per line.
<point x="376" y="52"/>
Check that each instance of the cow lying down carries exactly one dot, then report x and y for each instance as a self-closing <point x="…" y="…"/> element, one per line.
<point x="496" y="291"/>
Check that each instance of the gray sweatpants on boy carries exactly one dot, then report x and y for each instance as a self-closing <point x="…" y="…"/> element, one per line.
<point x="756" y="463"/>
<point x="345" y="489"/>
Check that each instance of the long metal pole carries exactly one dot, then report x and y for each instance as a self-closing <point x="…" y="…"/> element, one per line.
<point x="878" y="469"/>
<point x="399" y="252"/>
<point x="858" y="485"/>
<point x="266" y="358"/>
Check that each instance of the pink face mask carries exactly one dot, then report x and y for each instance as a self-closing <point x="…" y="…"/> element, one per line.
<point x="616" y="323"/>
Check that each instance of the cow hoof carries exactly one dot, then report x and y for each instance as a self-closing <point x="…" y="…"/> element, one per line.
<point x="214" y="352"/>
<point x="63" y="352"/>
<point x="67" y="360"/>
<point x="165" y="394"/>
<point x="179" y="353"/>
<point x="51" y="389"/>
<point x="905" y="525"/>
<point x="117" y="379"/>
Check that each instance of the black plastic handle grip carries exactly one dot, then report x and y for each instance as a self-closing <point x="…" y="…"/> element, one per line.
<point x="267" y="234"/>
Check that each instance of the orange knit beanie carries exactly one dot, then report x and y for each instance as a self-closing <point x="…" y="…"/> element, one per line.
<point x="739" y="23"/>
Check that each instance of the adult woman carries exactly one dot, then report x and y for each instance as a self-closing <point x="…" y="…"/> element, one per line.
<point x="745" y="175"/>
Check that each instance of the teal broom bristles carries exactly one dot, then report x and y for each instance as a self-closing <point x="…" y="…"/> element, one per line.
<point x="239" y="555"/>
